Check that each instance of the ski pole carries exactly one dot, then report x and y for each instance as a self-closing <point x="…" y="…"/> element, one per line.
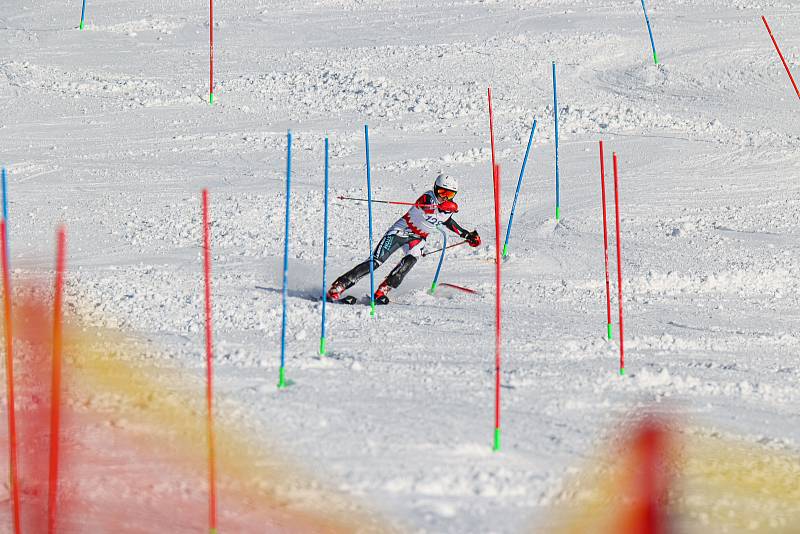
<point x="519" y="186"/>
<point x="389" y="202"/>
<point x="445" y="247"/>
<point x="780" y="54"/>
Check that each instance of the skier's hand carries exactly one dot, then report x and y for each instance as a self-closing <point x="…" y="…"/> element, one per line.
<point x="473" y="238"/>
<point x="448" y="206"/>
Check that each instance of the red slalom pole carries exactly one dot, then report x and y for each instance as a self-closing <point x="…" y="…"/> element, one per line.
<point x="212" y="463"/>
<point x="785" y="66"/>
<point x="491" y="128"/>
<point x="497" y="331"/>
<point x="619" y="270"/>
<point x="605" y="236"/>
<point x="211" y="52"/>
<point x="12" y="420"/>
<point x="55" y="392"/>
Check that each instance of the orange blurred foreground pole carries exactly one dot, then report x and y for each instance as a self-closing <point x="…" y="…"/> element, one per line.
<point x="55" y="395"/>
<point x="212" y="464"/>
<point x="12" y="422"/>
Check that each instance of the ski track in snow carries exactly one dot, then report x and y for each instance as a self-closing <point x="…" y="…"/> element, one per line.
<point x="109" y="131"/>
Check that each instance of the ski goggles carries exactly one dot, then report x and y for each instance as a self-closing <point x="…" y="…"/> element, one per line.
<point x="445" y="193"/>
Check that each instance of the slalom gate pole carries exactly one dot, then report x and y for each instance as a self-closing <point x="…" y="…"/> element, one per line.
<point x="369" y="209"/>
<point x="441" y="261"/>
<point x="605" y="238"/>
<point x="5" y="203"/>
<point x="619" y="271"/>
<point x="555" y="116"/>
<point x="282" y="372"/>
<point x="783" y="60"/>
<point x="498" y="306"/>
<point x="324" y="253"/>
<point x="212" y="459"/>
<point x="83" y="13"/>
<point x="650" y="31"/>
<point x="491" y="128"/>
<point x="12" y="420"/>
<point x="393" y="202"/>
<point x="55" y="391"/>
<point x="519" y="186"/>
<point x="210" y="52"/>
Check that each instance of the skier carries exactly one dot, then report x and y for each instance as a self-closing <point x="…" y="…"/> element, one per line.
<point x="410" y="232"/>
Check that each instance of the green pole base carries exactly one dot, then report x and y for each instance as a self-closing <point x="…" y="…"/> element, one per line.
<point x="282" y="378"/>
<point x="610" y="336"/>
<point x="505" y="250"/>
<point x="558" y="213"/>
<point x="211" y="98"/>
<point x="433" y="288"/>
<point x="372" y="308"/>
<point x="621" y="371"/>
<point x="212" y="531"/>
<point x="496" y="445"/>
<point x="81" y="26"/>
<point x="322" y="346"/>
<point x="655" y="58"/>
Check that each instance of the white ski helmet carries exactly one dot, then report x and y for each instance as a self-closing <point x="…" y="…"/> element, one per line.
<point x="445" y="181"/>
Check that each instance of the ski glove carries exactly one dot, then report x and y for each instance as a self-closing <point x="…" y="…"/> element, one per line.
<point x="448" y="206"/>
<point x="473" y="238"/>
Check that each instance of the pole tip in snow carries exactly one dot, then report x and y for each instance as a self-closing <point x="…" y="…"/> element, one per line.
<point x="558" y="213"/>
<point x="655" y="57"/>
<point x="372" y="308"/>
<point x="322" y="346"/>
<point x="505" y="251"/>
<point x="496" y="445"/>
<point x="282" y="378"/>
<point x="610" y="336"/>
<point x="81" y="26"/>
<point x="211" y="98"/>
<point x="621" y="371"/>
<point x="433" y="288"/>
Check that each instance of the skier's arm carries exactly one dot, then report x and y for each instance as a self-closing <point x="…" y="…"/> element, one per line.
<point x="425" y="203"/>
<point x="456" y="228"/>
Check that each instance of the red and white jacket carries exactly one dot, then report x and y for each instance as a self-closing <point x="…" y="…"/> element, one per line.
<point x="425" y="217"/>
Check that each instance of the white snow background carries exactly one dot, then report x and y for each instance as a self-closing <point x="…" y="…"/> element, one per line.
<point x="109" y="130"/>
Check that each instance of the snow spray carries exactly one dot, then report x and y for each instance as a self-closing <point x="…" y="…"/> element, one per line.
<point x="785" y="66"/>
<point x="498" y="263"/>
<point x="12" y="422"/>
<point x="519" y="186"/>
<point x="555" y="117"/>
<point x="605" y="236"/>
<point x="441" y="261"/>
<point x="210" y="51"/>
<point x="282" y="372"/>
<point x="212" y="462"/>
<point x="650" y="31"/>
<point x="369" y="209"/>
<point x="324" y="254"/>
<point x="619" y="271"/>
<point x="55" y="391"/>
<point x="83" y="13"/>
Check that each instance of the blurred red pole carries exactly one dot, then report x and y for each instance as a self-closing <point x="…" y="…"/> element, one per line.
<point x="785" y="66"/>
<point x="605" y="237"/>
<point x="12" y="421"/>
<point x="55" y="395"/>
<point x="619" y="271"/>
<point x="498" y="301"/>
<point x="212" y="464"/>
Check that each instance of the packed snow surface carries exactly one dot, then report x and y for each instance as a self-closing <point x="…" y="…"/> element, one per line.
<point x="109" y="131"/>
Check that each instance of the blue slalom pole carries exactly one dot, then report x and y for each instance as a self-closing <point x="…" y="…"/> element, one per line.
<point x="369" y="208"/>
<point x="5" y="196"/>
<point x="650" y="31"/>
<point x="282" y="374"/>
<point x="555" y="111"/>
<point x="519" y="186"/>
<point x="441" y="260"/>
<point x="324" y="255"/>
<point x="83" y="12"/>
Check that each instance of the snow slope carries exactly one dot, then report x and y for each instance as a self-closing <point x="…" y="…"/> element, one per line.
<point x="109" y="131"/>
